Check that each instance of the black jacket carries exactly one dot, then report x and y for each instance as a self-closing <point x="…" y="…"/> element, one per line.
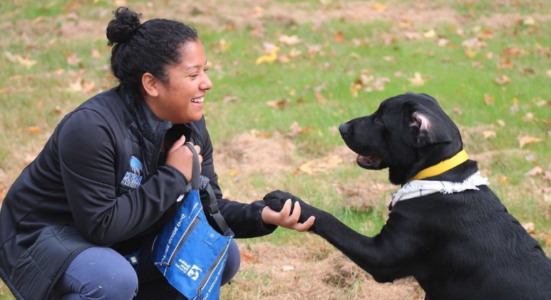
<point x="100" y="180"/>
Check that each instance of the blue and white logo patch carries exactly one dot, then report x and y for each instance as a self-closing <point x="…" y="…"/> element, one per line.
<point x="133" y="177"/>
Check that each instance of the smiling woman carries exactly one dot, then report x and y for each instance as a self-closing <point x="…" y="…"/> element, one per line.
<point x="112" y="173"/>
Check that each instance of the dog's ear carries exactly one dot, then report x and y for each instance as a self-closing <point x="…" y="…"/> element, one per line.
<point x="421" y="127"/>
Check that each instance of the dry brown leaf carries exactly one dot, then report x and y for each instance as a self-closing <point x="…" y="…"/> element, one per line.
<point x="279" y="103"/>
<point x="346" y="191"/>
<point x="535" y="171"/>
<point x="489" y="100"/>
<point x="489" y="134"/>
<point x="289" y="40"/>
<point x="73" y="59"/>
<point x="248" y="257"/>
<point x="287" y="268"/>
<point x="417" y="80"/>
<point x="530" y="228"/>
<point x="25" y="61"/>
<point x="95" y="53"/>
<point x="379" y="7"/>
<point x="230" y="98"/>
<point x="320" y="98"/>
<point x="524" y="140"/>
<point x="268" y="58"/>
<point x="458" y="110"/>
<point x="503" y="79"/>
<point x="339" y="37"/>
<point x="34" y="129"/>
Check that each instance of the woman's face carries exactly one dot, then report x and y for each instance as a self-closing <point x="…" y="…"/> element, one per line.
<point x="180" y="100"/>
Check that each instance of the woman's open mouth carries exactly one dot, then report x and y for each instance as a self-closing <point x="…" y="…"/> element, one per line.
<point x="198" y="100"/>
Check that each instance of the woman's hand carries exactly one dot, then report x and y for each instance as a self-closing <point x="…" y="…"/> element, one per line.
<point x="285" y="219"/>
<point x="181" y="158"/>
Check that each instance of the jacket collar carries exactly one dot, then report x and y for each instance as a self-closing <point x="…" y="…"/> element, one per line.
<point x="150" y="126"/>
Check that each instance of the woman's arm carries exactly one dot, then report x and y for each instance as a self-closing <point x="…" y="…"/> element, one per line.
<point x="88" y="160"/>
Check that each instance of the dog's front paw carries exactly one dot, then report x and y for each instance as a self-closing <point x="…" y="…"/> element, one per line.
<point x="276" y="199"/>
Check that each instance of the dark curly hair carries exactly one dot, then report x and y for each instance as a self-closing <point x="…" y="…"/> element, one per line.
<point x="141" y="48"/>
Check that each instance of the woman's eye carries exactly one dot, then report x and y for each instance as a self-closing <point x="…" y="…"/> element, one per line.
<point x="206" y="69"/>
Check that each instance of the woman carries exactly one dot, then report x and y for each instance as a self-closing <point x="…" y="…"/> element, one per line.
<point x="109" y="176"/>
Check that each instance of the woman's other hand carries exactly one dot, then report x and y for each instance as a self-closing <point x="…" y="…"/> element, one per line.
<point x="181" y="157"/>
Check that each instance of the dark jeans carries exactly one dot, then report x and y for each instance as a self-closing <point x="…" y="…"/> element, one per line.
<point x="101" y="273"/>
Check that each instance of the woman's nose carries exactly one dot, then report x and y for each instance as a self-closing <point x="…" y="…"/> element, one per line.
<point x="206" y="84"/>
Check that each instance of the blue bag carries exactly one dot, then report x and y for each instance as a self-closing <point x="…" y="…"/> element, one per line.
<point x="188" y="251"/>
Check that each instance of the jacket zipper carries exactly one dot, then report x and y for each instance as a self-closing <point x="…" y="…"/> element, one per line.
<point x="182" y="240"/>
<point x="210" y="271"/>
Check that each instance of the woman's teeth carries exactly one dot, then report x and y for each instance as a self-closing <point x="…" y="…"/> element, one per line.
<point x="198" y="100"/>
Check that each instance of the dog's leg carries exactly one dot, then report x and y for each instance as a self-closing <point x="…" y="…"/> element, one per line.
<point x="387" y="256"/>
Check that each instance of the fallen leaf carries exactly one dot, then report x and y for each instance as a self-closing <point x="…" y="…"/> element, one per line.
<point x="294" y="53"/>
<point x="287" y="268"/>
<point x="430" y="34"/>
<point x="380" y="7"/>
<point x="489" y="100"/>
<point x="248" y="257"/>
<point x="279" y="103"/>
<point x="503" y="79"/>
<point x="24" y="61"/>
<point x="458" y="110"/>
<point x="95" y="53"/>
<point x="224" y="46"/>
<point x="34" y="129"/>
<point x="339" y="37"/>
<point x="524" y="140"/>
<point x="469" y="52"/>
<point x="346" y="191"/>
<point x="529" y="227"/>
<point x="417" y="80"/>
<point x="230" y="98"/>
<point x="320" y="165"/>
<point x="535" y="171"/>
<point x="320" y="98"/>
<point x="489" y="134"/>
<point x="501" y="123"/>
<point x="289" y="40"/>
<point x="268" y="58"/>
<point x="73" y="59"/>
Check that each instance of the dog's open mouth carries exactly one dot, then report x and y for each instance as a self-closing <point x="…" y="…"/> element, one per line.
<point x="369" y="162"/>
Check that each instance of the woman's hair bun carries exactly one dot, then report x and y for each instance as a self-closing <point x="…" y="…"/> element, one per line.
<point x="123" y="25"/>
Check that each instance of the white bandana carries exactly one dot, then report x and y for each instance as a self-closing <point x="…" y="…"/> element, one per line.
<point x="419" y="188"/>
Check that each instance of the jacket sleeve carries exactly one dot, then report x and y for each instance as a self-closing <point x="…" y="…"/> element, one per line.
<point x="244" y="219"/>
<point x="87" y="154"/>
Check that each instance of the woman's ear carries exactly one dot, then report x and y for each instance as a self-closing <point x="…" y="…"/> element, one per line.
<point x="150" y="84"/>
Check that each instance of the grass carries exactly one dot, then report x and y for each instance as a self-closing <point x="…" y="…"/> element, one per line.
<point x="317" y="82"/>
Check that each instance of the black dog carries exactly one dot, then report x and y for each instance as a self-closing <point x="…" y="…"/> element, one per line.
<point x="449" y="230"/>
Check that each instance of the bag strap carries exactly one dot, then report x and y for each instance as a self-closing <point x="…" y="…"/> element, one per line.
<point x="195" y="172"/>
<point x="213" y="203"/>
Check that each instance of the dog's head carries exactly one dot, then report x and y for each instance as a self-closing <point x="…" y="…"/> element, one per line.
<point x="407" y="133"/>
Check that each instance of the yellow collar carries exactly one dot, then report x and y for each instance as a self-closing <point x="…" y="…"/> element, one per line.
<point x="442" y="166"/>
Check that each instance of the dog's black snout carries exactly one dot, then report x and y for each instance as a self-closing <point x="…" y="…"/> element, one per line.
<point x="344" y="127"/>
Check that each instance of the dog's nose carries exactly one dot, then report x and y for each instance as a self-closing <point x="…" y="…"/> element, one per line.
<point x="343" y="128"/>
